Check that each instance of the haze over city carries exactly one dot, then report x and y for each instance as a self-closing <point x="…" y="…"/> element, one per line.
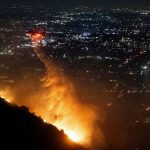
<point x="80" y="66"/>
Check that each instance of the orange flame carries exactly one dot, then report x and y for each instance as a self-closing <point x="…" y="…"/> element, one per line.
<point x="37" y="37"/>
<point x="5" y="94"/>
<point x="62" y="107"/>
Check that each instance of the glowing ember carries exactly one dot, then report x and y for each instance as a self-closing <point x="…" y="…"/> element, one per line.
<point x="44" y="120"/>
<point x="37" y="36"/>
<point x="6" y="99"/>
<point x="73" y="136"/>
<point x="5" y="95"/>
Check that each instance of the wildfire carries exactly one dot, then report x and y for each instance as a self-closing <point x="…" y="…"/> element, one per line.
<point x="5" y="95"/>
<point x="56" y="102"/>
<point x="65" y="111"/>
<point x="37" y="37"/>
<point x="73" y="136"/>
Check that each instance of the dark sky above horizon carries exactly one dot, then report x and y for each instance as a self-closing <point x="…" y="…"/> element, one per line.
<point x="92" y="3"/>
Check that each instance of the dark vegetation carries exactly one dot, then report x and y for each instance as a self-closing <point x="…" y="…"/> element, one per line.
<point x="20" y="129"/>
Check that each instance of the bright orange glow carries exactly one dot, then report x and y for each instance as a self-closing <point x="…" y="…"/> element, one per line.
<point x="44" y="120"/>
<point x="5" y="94"/>
<point x="37" y="36"/>
<point x="73" y="136"/>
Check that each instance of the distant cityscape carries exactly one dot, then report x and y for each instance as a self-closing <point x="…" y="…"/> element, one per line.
<point x="107" y="50"/>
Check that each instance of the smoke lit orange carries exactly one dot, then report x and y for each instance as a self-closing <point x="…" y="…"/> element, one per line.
<point x="57" y="103"/>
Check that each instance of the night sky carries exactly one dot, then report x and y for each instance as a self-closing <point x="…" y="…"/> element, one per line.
<point x="90" y="3"/>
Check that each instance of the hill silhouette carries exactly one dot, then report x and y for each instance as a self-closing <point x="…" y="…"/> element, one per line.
<point x="20" y="129"/>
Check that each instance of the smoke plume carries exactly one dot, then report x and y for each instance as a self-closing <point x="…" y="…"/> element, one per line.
<point x="56" y="101"/>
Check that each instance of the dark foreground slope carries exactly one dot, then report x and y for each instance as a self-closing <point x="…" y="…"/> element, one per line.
<point x="20" y="129"/>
